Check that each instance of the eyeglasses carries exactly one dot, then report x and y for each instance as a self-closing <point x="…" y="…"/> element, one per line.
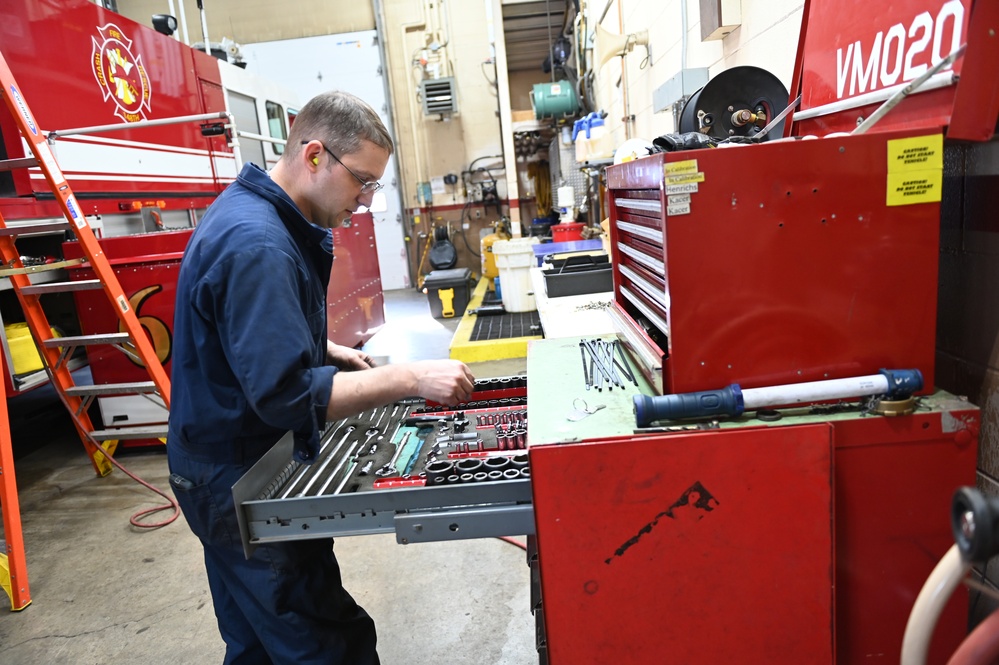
<point x="367" y="186"/>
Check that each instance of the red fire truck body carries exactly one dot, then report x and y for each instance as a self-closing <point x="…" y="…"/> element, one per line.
<point x="144" y="170"/>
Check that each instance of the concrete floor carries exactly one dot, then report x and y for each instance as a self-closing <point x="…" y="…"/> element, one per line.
<point x="104" y="591"/>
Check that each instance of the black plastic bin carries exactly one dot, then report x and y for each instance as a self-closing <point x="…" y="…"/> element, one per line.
<point x="448" y="292"/>
<point x="578" y="274"/>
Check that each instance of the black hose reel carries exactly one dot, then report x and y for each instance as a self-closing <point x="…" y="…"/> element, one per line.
<point x="737" y="102"/>
<point x="443" y="254"/>
<point x="975" y="524"/>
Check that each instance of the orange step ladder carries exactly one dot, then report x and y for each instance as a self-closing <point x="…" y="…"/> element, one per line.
<point x="56" y="352"/>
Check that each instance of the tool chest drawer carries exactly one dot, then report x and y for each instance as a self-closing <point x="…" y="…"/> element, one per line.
<point x="424" y="471"/>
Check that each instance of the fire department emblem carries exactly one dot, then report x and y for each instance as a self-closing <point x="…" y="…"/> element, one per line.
<point x="120" y="73"/>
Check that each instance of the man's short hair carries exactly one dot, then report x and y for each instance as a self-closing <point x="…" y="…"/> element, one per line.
<point x="341" y="121"/>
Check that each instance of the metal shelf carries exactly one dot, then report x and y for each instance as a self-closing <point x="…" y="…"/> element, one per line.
<point x="47" y="277"/>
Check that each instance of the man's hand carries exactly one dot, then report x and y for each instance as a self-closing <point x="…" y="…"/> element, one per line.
<point x="443" y="381"/>
<point x="346" y="358"/>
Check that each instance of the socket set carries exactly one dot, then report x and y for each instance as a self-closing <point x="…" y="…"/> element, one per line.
<point x="376" y="470"/>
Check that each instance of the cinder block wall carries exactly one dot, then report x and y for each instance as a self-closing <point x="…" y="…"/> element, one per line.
<point x="968" y="307"/>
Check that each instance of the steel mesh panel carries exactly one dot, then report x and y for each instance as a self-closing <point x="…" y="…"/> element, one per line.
<point x="506" y="326"/>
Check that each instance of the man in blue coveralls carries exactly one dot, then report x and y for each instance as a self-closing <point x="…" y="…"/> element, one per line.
<point x="251" y="361"/>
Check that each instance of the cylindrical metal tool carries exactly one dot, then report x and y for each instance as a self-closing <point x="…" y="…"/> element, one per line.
<point x="496" y="463"/>
<point x="733" y="401"/>
<point x="468" y="465"/>
<point x="322" y="467"/>
<point x="439" y="470"/>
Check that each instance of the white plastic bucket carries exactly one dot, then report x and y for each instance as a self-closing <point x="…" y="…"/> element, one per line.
<point x="514" y="259"/>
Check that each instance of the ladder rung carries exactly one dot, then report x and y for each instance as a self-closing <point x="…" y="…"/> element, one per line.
<point x="21" y="163"/>
<point x="60" y="287"/>
<point x="14" y="229"/>
<point x="123" y="433"/>
<point x="138" y="388"/>
<point x="86" y="340"/>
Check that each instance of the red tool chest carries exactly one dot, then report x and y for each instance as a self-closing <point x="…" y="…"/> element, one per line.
<point x="810" y="257"/>
<point x="785" y="265"/>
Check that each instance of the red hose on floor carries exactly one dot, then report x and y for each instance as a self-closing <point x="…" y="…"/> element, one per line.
<point x="513" y="542"/>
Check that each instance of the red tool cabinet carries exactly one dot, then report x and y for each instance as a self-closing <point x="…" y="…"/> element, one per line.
<point x="802" y="259"/>
<point x="786" y="265"/>
<point x="804" y="540"/>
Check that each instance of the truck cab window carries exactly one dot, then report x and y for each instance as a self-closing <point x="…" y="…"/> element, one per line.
<point x="276" y="125"/>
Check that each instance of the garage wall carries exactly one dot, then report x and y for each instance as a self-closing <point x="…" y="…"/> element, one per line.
<point x="766" y="37"/>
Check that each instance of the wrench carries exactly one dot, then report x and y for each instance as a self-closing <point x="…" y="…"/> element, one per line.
<point x="336" y="470"/>
<point x="389" y="467"/>
<point x="305" y="468"/>
<point x="326" y="462"/>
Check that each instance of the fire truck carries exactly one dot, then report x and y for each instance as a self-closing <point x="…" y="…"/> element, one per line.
<point x="148" y="131"/>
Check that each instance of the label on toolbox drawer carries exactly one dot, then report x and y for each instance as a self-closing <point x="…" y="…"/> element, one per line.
<point x="682" y="188"/>
<point x="678" y="204"/>
<point x="682" y="167"/>
<point x="681" y="180"/>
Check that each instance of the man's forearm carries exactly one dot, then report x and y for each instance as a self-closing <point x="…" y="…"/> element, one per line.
<point x="354" y="392"/>
<point x="442" y="381"/>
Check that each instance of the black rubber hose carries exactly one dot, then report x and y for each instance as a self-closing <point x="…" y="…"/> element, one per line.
<point x="975" y="524"/>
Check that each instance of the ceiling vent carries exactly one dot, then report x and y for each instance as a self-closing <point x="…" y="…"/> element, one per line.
<point x="439" y="96"/>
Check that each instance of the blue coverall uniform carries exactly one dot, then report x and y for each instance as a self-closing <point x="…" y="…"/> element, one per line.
<point x="249" y="357"/>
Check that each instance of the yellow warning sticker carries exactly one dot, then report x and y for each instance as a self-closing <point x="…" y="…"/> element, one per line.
<point x="912" y="187"/>
<point x="677" y="168"/>
<point x="685" y="177"/>
<point x="915" y="170"/>
<point x="917" y="153"/>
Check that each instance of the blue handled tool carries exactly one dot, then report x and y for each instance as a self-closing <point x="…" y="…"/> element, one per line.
<point x="733" y="400"/>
